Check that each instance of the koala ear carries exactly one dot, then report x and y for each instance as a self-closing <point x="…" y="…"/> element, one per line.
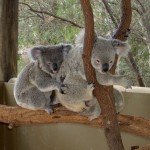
<point x="66" y="48"/>
<point x="35" y="52"/>
<point x="80" y="38"/>
<point x="121" y="47"/>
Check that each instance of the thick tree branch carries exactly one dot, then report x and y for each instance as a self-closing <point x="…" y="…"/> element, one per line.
<point x="121" y="35"/>
<point x="126" y="16"/>
<point x="103" y="94"/>
<point x="50" y="14"/>
<point x="17" y="116"/>
<point x="130" y="60"/>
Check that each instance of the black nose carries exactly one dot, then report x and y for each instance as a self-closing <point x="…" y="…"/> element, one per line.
<point x="105" y="67"/>
<point x="55" y="67"/>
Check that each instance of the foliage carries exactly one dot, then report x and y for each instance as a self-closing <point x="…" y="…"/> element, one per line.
<point x="39" y="28"/>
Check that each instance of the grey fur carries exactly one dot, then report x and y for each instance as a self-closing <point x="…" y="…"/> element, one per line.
<point x="37" y="80"/>
<point x="77" y="93"/>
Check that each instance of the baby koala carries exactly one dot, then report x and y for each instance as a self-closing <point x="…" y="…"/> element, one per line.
<point x="78" y="95"/>
<point x="35" y="83"/>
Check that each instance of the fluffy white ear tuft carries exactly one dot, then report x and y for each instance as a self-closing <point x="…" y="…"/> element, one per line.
<point x="121" y="47"/>
<point x="35" y="52"/>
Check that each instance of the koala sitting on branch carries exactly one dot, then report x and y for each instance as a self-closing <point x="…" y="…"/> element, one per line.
<point x="37" y="80"/>
<point x="78" y="95"/>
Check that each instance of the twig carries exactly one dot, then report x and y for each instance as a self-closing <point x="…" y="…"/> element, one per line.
<point x="110" y="13"/>
<point x="50" y="14"/>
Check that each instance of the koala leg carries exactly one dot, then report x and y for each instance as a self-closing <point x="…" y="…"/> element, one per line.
<point x="119" y="100"/>
<point x="93" y="111"/>
<point x="34" y="99"/>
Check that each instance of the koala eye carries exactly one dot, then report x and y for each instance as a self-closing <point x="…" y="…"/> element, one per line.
<point x="98" y="61"/>
<point x="110" y="62"/>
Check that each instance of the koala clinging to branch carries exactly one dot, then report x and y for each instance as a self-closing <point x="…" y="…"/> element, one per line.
<point x="78" y="96"/>
<point x="37" y="80"/>
<point x="103" y="57"/>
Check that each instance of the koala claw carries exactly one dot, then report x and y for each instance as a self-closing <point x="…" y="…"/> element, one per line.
<point x="48" y="110"/>
<point x="63" y="89"/>
<point x="91" y="86"/>
<point x="92" y="117"/>
<point x="89" y="103"/>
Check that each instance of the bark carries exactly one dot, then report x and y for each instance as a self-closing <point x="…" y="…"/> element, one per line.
<point x="8" y="39"/>
<point x="126" y="16"/>
<point x="17" y="116"/>
<point x="147" y="147"/>
<point x="105" y="96"/>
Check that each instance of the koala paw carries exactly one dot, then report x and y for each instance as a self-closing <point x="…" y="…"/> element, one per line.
<point x="91" y="86"/>
<point x="92" y="117"/>
<point x="63" y="89"/>
<point x="48" y="110"/>
<point x="89" y="103"/>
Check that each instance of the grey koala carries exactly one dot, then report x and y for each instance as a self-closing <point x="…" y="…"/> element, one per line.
<point x="37" y="80"/>
<point x="78" y="95"/>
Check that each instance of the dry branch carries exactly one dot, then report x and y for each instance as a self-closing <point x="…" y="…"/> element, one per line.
<point x="110" y="12"/>
<point x="16" y="116"/>
<point x="50" y="14"/>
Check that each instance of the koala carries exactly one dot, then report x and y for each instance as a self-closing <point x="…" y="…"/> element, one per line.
<point x="35" y="83"/>
<point x="78" y="95"/>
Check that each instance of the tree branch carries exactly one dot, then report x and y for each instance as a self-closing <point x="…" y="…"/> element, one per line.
<point x="126" y="16"/>
<point x="147" y="147"/>
<point x="130" y="60"/>
<point x="110" y="13"/>
<point x="105" y="96"/>
<point x="17" y="116"/>
<point x="50" y="14"/>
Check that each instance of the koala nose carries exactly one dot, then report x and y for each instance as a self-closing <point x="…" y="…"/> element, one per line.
<point x="55" y="66"/>
<point x="105" y="67"/>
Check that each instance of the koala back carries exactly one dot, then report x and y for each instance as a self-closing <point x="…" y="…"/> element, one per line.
<point x="22" y="81"/>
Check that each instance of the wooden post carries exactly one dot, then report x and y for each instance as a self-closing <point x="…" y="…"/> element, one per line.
<point x="8" y="39"/>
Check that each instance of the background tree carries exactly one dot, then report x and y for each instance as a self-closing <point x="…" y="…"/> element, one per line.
<point x="40" y="28"/>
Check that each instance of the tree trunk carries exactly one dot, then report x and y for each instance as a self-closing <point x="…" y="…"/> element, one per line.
<point x="103" y="94"/>
<point x="8" y="39"/>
